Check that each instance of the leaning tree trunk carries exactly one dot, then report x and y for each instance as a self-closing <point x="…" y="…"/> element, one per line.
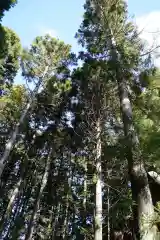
<point x="12" y="140"/>
<point x="98" y="193"/>
<point x="141" y="194"/>
<point x="16" y="193"/>
<point x="143" y="209"/>
<point x="19" y="220"/>
<point x="37" y="202"/>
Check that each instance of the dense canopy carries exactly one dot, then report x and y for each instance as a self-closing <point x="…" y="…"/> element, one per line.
<point x="80" y="143"/>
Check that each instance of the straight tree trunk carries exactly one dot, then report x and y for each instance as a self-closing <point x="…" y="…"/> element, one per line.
<point x="85" y="185"/>
<point x="37" y="202"/>
<point x="70" y="179"/>
<point x="55" y="222"/>
<point x="57" y="205"/>
<point x="108" y="213"/>
<point x="65" y="224"/>
<point x="12" y="140"/>
<point x="98" y="192"/>
<point x="84" y="212"/>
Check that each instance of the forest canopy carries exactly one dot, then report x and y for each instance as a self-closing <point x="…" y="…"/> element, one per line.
<point x="80" y="143"/>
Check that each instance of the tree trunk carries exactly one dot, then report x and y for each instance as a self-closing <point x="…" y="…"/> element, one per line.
<point x="69" y="187"/>
<point x="20" y="218"/>
<point x="15" y="193"/>
<point x="85" y="185"/>
<point x="12" y="140"/>
<point x="84" y="212"/>
<point x="108" y="213"/>
<point x="56" y="218"/>
<point x="98" y="194"/>
<point x="143" y="208"/>
<point x="65" y="223"/>
<point x="10" y="223"/>
<point x="9" y="211"/>
<point x="141" y="195"/>
<point x="17" y="189"/>
<point x="37" y="202"/>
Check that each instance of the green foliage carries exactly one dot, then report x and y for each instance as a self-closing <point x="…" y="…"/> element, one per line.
<point x="10" y="52"/>
<point x="44" y="52"/>
<point x="13" y="102"/>
<point x="67" y="202"/>
<point x="5" y="5"/>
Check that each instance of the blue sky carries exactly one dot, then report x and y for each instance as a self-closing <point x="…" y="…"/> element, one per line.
<point x="142" y="7"/>
<point x="62" y="18"/>
<point x="30" y="18"/>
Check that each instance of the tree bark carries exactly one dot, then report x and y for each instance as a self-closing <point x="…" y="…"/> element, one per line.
<point x="65" y="223"/>
<point x="143" y="208"/>
<point x="84" y="212"/>
<point x="56" y="218"/>
<point x="98" y="194"/>
<point x="141" y="194"/>
<point x="15" y="193"/>
<point x="155" y="176"/>
<point x="37" y="202"/>
<point x="108" y="213"/>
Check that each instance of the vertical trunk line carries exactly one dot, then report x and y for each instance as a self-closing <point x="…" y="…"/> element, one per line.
<point x="57" y="214"/>
<point x="98" y="195"/>
<point x="108" y="213"/>
<point x="84" y="212"/>
<point x="65" y="224"/>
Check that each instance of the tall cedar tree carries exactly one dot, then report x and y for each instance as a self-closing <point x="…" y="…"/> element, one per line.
<point x="107" y="34"/>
